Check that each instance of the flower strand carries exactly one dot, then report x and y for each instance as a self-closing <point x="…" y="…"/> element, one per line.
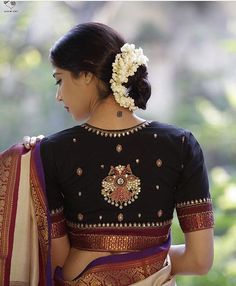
<point x="126" y="64"/>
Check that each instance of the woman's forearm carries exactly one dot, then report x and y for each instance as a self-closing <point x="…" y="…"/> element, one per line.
<point x="183" y="263"/>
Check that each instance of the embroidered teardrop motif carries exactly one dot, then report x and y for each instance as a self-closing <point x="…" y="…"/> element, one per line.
<point x="120" y="187"/>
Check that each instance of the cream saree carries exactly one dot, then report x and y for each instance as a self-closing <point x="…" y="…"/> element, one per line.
<point x="24" y="220"/>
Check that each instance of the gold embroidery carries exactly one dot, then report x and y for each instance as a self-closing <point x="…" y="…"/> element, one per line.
<point x="58" y="210"/>
<point x="120" y="187"/>
<point x="160" y="213"/>
<point x="80" y="216"/>
<point x="195" y="214"/>
<point x="119" y="148"/>
<point x="120" y="217"/>
<point x="119" y="225"/>
<point x="109" y="242"/>
<point x="116" y="133"/>
<point x="117" y="239"/>
<point x="79" y="171"/>
<point x="193" y="202"/>
<point x="159" y="163"/>
<point x="122" y="274"/>
<point x="58" y="223"/>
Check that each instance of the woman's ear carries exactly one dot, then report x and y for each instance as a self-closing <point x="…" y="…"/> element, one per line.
<point x="88" y="77"/>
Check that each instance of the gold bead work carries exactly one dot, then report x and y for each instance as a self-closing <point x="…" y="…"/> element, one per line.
<point x="119" y="224"/>
<point x="120" y="217"/>
<point x="159" y="163"/>
<point x="79" y="171"/>
<point x="80" y="216"/>
<point x="115" y="133"/>
<point x="120" y="187"/>
<point x="118" y="148"/>
<point x="160" y="213"/>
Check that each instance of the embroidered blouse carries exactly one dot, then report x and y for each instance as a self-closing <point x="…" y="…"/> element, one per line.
<point x="116" y="190"/>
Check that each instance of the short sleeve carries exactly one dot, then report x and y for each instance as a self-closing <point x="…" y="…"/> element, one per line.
<point x="192" y="196"/>
<point x="53" y="192"/>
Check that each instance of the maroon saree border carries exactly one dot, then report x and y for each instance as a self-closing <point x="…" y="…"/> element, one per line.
<point x="37" y="185"/>
<point x="10" y="167"/>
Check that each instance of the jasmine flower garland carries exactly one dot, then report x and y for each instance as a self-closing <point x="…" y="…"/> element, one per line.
<point x="126" y="64"/>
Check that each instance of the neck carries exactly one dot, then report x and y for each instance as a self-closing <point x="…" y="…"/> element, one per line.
<point x="108" y="114"/>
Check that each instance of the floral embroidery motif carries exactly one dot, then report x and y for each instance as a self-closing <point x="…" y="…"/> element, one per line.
<point x="120" y="187"/>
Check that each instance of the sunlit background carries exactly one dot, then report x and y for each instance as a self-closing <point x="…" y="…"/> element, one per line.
<point x="191" y="48"/>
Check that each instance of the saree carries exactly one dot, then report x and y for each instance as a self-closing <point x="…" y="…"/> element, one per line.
<point x="24" y="219"/>
<point x="25" y="236"/>
<point x="148" y="267"/>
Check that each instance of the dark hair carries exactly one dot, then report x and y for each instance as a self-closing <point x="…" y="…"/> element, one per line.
<point x="92" y="47"/>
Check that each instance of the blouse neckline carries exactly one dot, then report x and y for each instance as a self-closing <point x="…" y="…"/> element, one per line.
<point x="116" y="132"/>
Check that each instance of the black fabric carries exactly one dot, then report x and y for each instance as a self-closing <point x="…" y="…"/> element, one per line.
<point x="182" y="175"/>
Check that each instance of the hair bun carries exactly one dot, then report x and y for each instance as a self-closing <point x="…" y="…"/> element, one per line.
<point x="139" y="87"/>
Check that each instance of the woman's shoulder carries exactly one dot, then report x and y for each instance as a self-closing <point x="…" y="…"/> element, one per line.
<point x="60" y="140"/>
<point x="62" y="135"/>
<point x="168" y="129"/>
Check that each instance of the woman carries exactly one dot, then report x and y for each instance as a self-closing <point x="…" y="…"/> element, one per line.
<point x="113" y="182"/>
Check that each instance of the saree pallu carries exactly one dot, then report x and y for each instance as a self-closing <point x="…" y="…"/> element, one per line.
<point x="24" y="219"/>
<point x="147" y="267"/>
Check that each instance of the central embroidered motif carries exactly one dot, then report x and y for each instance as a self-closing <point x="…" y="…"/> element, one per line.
<point x="120" y="187"/>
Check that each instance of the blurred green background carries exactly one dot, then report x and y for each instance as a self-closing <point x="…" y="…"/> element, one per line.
<point x="191" y="48"/>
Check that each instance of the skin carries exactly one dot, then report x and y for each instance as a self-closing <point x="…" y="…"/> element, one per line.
<point x="80" y="96"/>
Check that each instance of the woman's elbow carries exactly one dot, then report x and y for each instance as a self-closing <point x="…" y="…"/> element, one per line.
<point x="204" y="265"/>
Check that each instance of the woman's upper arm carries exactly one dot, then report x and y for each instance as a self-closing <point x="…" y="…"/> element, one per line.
<point x="194" y="206"/>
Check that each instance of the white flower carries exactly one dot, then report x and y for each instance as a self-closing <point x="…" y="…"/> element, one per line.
<point x="126" y="64"/>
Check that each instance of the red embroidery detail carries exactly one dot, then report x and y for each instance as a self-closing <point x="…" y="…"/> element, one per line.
<point x="195" y="216"/>
<point x="120" y="187"/>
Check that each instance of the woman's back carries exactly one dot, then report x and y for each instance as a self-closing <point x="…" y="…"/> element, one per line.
<point x="114" y="191"/>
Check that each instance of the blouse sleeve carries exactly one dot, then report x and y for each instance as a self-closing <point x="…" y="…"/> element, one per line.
<point x="192" y="196"/>
<point x="53" y="192"/>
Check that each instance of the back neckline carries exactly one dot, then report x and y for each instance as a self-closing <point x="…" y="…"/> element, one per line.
<point x="116" y="132"/>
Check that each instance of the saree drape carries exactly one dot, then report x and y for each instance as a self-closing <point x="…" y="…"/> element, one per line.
<point x="25" y="235"/>
<point x="24" y="219"/>
<point x="148" y="267"/>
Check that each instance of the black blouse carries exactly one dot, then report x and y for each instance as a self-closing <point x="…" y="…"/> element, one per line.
<point x="125" y="181"/>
